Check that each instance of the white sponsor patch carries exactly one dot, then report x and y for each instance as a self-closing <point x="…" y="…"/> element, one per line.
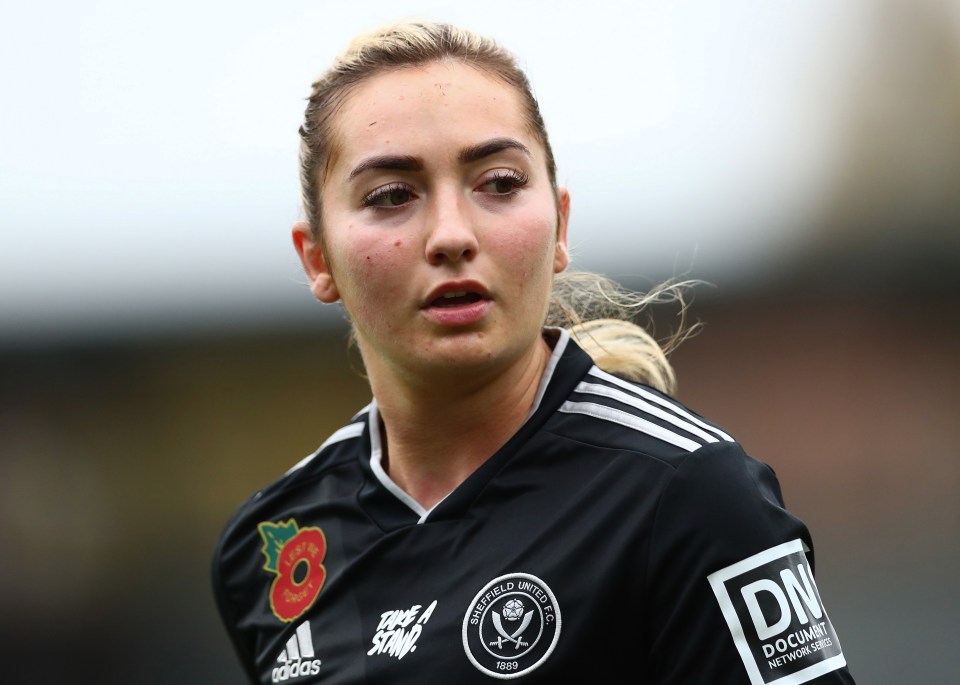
<point x="774" y="612"/>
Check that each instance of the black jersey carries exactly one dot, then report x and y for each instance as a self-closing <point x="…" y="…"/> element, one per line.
<point x="618" y="537"/>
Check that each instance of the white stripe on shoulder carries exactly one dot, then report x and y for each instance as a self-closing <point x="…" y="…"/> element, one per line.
<point x="605" y="413"/>
<point x="657" y="399"/>
<point x="351" y="430"/>
<point x="646" y="407"/>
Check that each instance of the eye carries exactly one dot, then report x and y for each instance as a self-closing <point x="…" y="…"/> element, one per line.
<point x="504" y="182"/>
<point x="389" y="196"/>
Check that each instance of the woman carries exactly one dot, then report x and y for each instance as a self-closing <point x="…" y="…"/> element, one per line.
<point x="504" y="508"/>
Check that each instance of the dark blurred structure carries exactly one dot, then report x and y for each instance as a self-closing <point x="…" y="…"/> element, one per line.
<point x="889" y="216"/>
<point x="121" y="458"/>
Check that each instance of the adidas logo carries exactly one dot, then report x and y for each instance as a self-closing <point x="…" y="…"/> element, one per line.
<point x="297" y="658"/>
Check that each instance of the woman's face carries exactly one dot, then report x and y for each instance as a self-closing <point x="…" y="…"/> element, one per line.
<point x="441" y="232"/>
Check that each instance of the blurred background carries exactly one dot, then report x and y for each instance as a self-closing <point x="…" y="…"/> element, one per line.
<point x="161" y="358"/>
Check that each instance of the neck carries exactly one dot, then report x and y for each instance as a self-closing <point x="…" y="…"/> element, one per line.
<point x="437" y="433"/>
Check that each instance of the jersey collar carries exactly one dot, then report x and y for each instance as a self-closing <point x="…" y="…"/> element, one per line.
<point x="391" y="507"/>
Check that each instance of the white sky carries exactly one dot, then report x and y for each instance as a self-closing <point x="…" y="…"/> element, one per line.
<point x="148" y="150"/>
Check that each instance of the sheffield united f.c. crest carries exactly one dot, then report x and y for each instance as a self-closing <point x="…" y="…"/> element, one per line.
<point x="511" y="626"/>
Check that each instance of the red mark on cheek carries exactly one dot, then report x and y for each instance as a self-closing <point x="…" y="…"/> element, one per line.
<point x="398" y="243"/>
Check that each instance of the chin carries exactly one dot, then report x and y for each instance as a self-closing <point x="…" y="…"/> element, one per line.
<point x="474" y="351"/>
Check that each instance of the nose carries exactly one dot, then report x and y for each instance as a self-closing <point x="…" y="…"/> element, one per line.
<point x="451" y="236"/>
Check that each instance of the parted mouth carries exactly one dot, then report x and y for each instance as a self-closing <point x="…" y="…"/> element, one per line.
<point x="456" y="299"/>
<point x="457" y="295"/>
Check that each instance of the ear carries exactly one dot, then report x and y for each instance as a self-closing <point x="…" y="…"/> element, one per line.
<point x="314" y="263"/>
<point x="562" y="257"/>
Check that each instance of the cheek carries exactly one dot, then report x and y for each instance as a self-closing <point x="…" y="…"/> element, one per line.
<point x="528" y="250"/>
<point x="373" y="271"/>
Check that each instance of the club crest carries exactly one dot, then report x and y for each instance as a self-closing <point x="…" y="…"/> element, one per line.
<point x="511" y="626"/>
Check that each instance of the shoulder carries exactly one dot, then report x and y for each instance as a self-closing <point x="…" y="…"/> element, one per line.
<point x="344" y="437"/>
<point x="702" y="478"/>
<point x="608" y="411"/>
<point x="339" y="450"/>
<point x="730" y="567"/>
<point x="341" y="446"/>
<point x="327" y="469"/>
<point x="330" y="471"/>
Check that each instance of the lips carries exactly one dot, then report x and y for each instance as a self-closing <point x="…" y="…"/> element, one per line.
<point x="457" y="304"/>
<point x="457" y="294"/>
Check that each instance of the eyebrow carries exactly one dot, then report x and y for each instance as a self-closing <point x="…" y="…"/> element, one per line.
<point x="400" y="162"/>
<point x="491" y="147"/>
<point x="467" y="155"/>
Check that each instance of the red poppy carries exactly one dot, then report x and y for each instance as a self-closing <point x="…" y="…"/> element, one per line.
<point x="300" y="574"/>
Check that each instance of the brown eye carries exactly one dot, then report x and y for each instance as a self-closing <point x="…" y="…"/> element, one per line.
<point x="504" y="183"/>
<point x="397" y="197"/>
<point x="389" y="196"/>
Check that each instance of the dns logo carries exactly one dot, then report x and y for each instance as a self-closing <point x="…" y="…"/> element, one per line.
<point x="776" y="617"/>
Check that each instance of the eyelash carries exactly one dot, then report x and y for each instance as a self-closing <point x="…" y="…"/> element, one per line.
<point x="517" y="178"/>
<point x="371" y="199"/>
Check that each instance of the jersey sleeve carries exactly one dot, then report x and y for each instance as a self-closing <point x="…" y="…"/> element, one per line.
<point x="220" y="573"/>
<point x="731" y="598"/>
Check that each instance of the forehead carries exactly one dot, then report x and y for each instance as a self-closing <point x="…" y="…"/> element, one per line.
<point x="436" y="108"/>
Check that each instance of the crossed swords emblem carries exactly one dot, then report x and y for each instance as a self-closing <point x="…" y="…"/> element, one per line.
<point x="515" y="638"/>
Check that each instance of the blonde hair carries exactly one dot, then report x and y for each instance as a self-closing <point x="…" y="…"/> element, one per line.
<point x="600" y="315"/>
<point x="597" y="311"/>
